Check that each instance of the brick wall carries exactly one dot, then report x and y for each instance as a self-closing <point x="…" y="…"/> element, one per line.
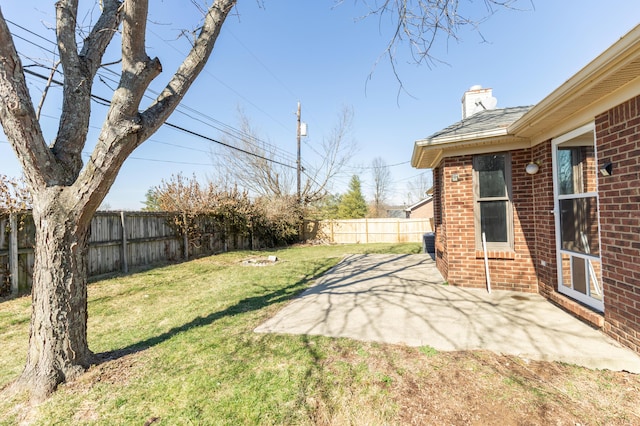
<point x="460" y="262"/>
<point x="545" y="248"/>
<point x="618" y="142"/>
<point x="442" y="262"/>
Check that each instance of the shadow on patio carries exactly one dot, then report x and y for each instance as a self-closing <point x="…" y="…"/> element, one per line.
<point x="401" y="299"/>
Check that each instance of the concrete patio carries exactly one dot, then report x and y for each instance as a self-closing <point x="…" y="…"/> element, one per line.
<point x="402" y="299"/>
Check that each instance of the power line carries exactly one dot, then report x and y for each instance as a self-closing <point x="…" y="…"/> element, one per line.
<point x="386" y="165"/>
<point x="222" y="127"/>
<point x="166" y="123"/>
<point x="218" y="125"/>
<point x="275" y="77"/>
<point x="30" y="32"/>
<point x="223" y="83"/>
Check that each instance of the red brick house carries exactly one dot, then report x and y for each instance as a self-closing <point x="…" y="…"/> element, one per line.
<point x="423" y="209"/>
<point x="554" y="188"/>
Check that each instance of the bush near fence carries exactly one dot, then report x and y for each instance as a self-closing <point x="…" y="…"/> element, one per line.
<point x="122" y="240"/>
<point x="117" y="242"/>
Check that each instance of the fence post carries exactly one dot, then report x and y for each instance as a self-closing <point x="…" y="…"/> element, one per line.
<point x="332" y="236"/>
<point x="366" y="230"/>
<point x="13" y="253"/>
<point x="185" y="236"/>
<point x="125" y="250"/>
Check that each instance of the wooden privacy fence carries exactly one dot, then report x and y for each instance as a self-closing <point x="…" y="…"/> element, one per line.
<point x="118" y="241"/>
<point x="352" y="231"/>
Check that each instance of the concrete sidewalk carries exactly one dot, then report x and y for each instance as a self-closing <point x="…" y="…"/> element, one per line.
<point x="401" y="299"/>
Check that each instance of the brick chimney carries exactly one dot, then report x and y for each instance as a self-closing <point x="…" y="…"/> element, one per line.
<point x="477" y="99"/>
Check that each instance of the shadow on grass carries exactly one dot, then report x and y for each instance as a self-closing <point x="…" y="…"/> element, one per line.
<point x="245" y="305"/>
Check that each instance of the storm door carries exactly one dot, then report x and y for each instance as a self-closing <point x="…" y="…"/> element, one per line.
<point x="576" y="217"/>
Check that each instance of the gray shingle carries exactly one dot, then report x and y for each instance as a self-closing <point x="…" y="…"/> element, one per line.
<point x="483" y="121"/>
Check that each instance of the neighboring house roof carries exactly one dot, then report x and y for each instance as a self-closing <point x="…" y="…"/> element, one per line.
<point x="418" y="204"/>
<point x="609" y="80"/>
<point x="395" y="212"/>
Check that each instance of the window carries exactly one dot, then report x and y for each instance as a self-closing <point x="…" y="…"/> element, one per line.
<point x="492" y="198"/>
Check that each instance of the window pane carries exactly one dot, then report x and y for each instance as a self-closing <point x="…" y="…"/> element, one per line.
<point x="493" y="218"/>
<point x="566" y="170"/>
<point x="491" y="175"/>
<point x="579" y="225"/>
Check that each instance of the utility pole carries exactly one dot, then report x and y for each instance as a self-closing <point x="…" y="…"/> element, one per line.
<point x="298" y="164"/>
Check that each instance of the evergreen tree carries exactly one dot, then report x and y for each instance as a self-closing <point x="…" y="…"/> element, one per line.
<point x="353" y="205"/>
<point x="151" y="203"/>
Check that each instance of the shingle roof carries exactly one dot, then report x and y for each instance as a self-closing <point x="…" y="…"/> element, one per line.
<point x="483" y="121"/>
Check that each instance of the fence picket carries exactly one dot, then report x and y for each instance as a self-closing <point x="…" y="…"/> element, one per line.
<point x="354" y="231"/>
<point x="118" y="242"/>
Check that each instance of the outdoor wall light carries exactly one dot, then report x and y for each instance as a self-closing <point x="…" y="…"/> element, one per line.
<point x="607" y="169"/>
<point x="533" y="167"/>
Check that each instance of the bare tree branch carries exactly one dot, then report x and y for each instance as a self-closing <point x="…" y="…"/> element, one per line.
<point x="46" y="89"/>
<point x="419" y="24"/>
<point x="262" y="174"/>
<point x="417" y="187"/>
<point x="257" y="172"/>
<point x="18" y="116"/>
<point x="79" y="70"/>
<point x="338" y="149"/>
<point x="125" y="129"/>
<point x="381" y="184"/>
<point x="175" y="90"/>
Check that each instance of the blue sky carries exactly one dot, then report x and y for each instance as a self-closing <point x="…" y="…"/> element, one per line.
<point x="321" y="54"/>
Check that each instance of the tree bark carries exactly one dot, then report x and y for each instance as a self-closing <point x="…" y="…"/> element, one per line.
<point x="58" y="349"/>
<point x="65" y="193"/>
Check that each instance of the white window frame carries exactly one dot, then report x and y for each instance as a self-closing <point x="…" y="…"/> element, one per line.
<point x="587" y="300"/>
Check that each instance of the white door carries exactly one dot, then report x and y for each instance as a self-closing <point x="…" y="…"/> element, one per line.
<point x="576" y="217"/>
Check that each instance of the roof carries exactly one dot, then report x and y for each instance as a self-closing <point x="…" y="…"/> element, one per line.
<point x="419" y="203"/>
<point x="609" y="80"/>
<point x="479" y="129"/>
<point x="481" y="122"/>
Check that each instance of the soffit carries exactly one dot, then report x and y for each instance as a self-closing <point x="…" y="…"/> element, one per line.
<point x="428" y="157"/>
<point x="612" y="75"/>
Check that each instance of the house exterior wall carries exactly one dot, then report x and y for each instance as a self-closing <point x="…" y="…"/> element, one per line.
<point x="618" y="142"/>
<point x="456" y="255"/>
<point x="544" y="229"/>
<point x="423" y="211"/>
<point x="442" y="255"/>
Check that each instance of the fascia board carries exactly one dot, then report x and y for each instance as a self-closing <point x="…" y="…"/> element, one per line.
<point x="468" y="143"/>
<point x="606" y="63"/>
<point x="446" y="140"/>
<point x="587" y="114"/>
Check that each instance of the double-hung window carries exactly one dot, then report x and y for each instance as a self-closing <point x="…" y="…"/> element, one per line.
<point x="492" y="201"/>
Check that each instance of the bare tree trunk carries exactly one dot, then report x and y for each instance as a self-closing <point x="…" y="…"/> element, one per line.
<point x="58" y="349"/>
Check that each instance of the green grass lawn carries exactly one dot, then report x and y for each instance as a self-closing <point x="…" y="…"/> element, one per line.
<point x="183" y="348"/>
<point x="179" y="349"/>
